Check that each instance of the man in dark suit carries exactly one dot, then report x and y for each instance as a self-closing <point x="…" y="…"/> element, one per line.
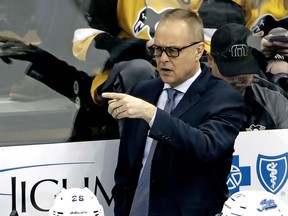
<point x="195" y="142"/>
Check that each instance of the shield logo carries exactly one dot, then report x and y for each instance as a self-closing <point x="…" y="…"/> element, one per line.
<point x="272" y="171"/>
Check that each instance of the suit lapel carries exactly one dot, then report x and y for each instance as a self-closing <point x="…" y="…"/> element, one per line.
<point x="150" y="94"/>
<point x="193" y="94"/>
<point x="153" y="91"/>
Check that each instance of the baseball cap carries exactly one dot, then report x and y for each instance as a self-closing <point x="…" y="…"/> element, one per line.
<point x="231" y="52"/>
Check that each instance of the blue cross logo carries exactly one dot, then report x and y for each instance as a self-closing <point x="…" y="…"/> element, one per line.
<point x="239" y="176"/>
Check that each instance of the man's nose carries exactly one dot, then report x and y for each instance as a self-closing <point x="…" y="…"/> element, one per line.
<point x="164" y="56"/>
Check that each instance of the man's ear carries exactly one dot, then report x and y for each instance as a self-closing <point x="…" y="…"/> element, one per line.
<point x="200" y="49"/>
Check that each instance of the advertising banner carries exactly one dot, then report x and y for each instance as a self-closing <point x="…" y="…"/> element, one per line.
<point x="32" y="175"/>
<point x="261" y="162"/>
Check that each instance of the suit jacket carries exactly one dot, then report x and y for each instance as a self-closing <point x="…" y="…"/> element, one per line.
<point x="194" y="152"/>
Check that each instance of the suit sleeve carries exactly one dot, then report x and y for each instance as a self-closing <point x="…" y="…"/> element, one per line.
<point x="202" y="135"/>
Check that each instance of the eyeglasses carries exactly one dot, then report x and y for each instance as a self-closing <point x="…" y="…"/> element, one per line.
<point x="170" y="51"/>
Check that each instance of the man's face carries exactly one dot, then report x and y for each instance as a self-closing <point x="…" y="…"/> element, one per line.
<point x="240" y="82"/>
<point x="176" y="70"/>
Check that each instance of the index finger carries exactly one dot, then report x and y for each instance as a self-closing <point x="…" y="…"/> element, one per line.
<point x="112" y="95"/>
